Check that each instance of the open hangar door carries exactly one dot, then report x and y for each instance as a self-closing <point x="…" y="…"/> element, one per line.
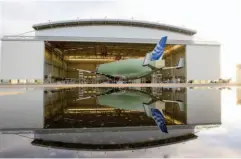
<point x="172" y="56"/>
<point x="64" y="58"/>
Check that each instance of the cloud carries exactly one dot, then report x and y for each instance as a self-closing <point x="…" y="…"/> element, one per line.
<point x="214" y="20"/>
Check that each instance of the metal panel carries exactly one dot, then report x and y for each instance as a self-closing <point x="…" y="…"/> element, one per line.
<point x="22" y="60"/>
<point x="203" y="106"/>
<point x="203" y="62"/>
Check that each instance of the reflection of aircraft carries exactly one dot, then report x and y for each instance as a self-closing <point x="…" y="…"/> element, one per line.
<point x="136" y="68"/>
<point x="136" y="100"/>
<point x="132" y="99"/>
<point x="179" y="102"/>
<point x="159" y="119"/>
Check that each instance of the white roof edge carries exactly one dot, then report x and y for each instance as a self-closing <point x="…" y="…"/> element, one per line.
<point x="105" y="39"/>
<point x="140" y="23"/>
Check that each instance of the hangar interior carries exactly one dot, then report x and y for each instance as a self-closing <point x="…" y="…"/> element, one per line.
<point x="63" y="58"/>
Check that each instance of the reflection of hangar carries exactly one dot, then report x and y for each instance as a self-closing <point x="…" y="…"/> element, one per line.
<point x="84" y="44"/>
<point x="113" y="138"/>
<point x="69" y="109"/>
<point x="116" y="108"/>
<point x="238" y="96"/>
<point x="111" y="129"/>
<point x="49" y="109"/>
<point x="115" y="119"/>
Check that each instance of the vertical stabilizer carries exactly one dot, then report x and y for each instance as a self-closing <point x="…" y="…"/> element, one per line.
<point x="156" y="55"/>
<point x="159" y="119"/>
<point x="158" y="51"/>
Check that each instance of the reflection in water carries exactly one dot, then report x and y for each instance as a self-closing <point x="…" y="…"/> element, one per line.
<point x="111" y="140"/>
<point x="159" y="119"/>
<point x="77" y="108"/>
<point x="238" y="97"/>
<point x="125" y="117"/>
<point x="111" y="118"/>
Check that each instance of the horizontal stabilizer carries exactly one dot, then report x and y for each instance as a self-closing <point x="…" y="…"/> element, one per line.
<point x="179" y="65"/>
<point x="179" y="102"/>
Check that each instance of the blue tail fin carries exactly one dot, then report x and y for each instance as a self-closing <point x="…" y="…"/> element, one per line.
<point x="159" y="49"/>
<point x="159" y="119"/>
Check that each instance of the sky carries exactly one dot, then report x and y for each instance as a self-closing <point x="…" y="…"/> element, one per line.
<point x="214" y="20"/>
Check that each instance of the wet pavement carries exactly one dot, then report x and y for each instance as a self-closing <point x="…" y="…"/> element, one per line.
<point x="121" y="122"/>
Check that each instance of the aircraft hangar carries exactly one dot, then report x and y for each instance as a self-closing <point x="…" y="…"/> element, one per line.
<point x="60" y="50"/>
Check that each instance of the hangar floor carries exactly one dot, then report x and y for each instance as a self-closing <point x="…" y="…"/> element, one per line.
<point x="62" y="59"/>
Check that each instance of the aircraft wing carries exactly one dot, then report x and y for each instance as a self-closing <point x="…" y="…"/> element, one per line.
<point x="104" y="93"/>
<point x="109" y="76"/>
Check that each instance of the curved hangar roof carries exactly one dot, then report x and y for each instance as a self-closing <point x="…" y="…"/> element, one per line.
<point x="118" y="22"/>
<point x="112" y="29"/>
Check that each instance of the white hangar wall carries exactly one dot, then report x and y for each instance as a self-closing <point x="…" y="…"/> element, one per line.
<point x="109" y="31"/>
<point x="22" y="60"/>
<point x="203" y="62"/>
